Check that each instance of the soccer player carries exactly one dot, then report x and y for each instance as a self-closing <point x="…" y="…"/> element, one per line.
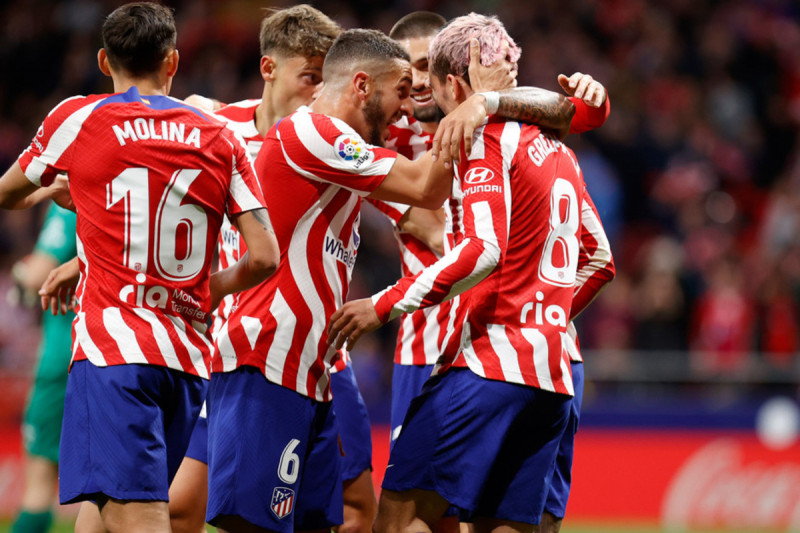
<point x="42" y="424"/>
<point x="272" y="362"/>
<point x="483" y="435"/>
<point x="293" y="45"/>
<point x="151" y="179"/>
<point x="423" y="332"/>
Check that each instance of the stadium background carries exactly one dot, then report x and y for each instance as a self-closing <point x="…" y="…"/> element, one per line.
<point x="692" y="354"/>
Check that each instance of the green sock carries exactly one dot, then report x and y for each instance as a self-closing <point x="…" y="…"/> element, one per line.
<point x="28" y="522"/>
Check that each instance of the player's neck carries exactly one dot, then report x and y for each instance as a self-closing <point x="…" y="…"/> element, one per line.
<point x="265" y="117"/>
<point x="145" y="86"/>
<point x="333" y="104"/>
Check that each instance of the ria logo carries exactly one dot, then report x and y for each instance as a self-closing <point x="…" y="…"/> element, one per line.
<point x="478" y="175"/>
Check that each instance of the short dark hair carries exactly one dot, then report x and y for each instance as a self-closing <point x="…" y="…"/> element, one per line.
<point x="138" y="36"/>
<point x="417" y="24"/>
<point x="300" y="30"/>
<point x="357" y="48"/>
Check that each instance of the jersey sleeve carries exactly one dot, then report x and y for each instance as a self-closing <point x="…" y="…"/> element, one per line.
<point x="588" y="118"/>
<point x="58" y="237"/>
<point x="595" y="262"/>
<point x="245" y="190"/>
<point x="393" y="210"/>
<point x="486" y="206"/>
<point x="50" y="151"/>
<point x="327" y="150"/>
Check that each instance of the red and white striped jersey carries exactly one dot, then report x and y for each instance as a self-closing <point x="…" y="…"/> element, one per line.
<point x="517" y="202"/>
<point x="407" y="137"/>
<point x="595" y="264"/>
<point x="241" y="118"/>
<point x="315" y="170"/>
<point x="151" y="179"/>
<point x="420" y="336"/>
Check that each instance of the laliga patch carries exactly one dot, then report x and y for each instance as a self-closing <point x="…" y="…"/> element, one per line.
<point x="478" y="175"/>
<point x="282" y="501"/>
<point x="351" y="149"/>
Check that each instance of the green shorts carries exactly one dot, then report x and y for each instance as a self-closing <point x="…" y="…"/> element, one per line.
<point x="41" y="428"/>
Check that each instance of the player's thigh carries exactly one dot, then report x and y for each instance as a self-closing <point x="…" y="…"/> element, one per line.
<point x="410" y="510"/>
<point x="273" y="455"/>
<point x="188" y="494"/>
<point x="124" y="426"/>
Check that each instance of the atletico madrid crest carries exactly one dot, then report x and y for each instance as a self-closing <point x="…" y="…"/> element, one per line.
<point x="282" y="501"/>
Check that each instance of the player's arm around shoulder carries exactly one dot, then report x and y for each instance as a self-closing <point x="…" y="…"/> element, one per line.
<point x="421" y="183"/>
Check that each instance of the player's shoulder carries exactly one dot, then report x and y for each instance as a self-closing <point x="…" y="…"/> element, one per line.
<point x="73" y="104"/>
<point x="305" y="123"/>
<point x="241" y="111"/>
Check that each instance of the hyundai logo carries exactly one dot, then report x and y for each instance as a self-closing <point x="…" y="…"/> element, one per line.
<point x="478" y="175"/>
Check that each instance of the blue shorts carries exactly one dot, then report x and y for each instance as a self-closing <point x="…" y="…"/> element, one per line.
<point x="273" y="455"/>
<point x="407" y="382"/>
<point x="126" y="429"/>
<point x="488" y="447"/>
<point x="556" y="503"/>
<point x="353" y="422"/>
<point x="198" y="444"/>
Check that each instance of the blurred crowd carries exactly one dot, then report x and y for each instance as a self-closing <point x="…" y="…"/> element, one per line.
<point x="696" y="174"/>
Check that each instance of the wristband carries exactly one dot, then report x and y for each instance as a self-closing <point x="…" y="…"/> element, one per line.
<point x="492" y="101"/>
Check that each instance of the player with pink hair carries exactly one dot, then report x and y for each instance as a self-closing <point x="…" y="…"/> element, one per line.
<point x="484" y="433"/>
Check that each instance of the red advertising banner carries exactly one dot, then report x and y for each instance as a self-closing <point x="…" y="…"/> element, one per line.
<point x="682" y="480"/>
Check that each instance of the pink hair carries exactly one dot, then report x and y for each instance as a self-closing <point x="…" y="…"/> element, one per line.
<point x="449" y="50"/>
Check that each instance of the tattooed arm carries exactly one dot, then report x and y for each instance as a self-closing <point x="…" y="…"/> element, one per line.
<point x="544" y="108"/>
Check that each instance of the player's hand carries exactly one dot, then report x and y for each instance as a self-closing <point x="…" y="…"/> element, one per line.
<point x="58" y="291"/>
<point x="502" y="74"/>
<point x="59" y="192"/>
<point x="456" y="128"/>
<point x="585" y="87"/>
<point x="350" y="322"/>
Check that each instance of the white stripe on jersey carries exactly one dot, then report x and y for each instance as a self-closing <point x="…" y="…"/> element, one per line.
<point x="225" y="348"/>
<point x="412" y="261"/>
<point x="541" y="357"/>
<point x="194" y="352"/>
<point x="239" y="190"/>
<point x="566" y="370"/>
<point x="602" y="254"/>
<point x="82" y="339"/>
<point x="161" y="337"/>
<point x="123" y="335"/>
<point x="280" y="345"/>
<point x="252" y="329"/>
<point x="59" y="141"/>
<point x="490" y="256"/>
<point x="468" y="351"/>
<point x="504" y="349"/>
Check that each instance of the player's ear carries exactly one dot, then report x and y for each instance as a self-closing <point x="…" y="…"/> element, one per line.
<point x="453" y="88"/>
<point x="463" y="88"/>
<point x="102" y="62"/>
<point x="267" y="68"/>
<point x="172" y="62"/>
<point x="362" y="85"/>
